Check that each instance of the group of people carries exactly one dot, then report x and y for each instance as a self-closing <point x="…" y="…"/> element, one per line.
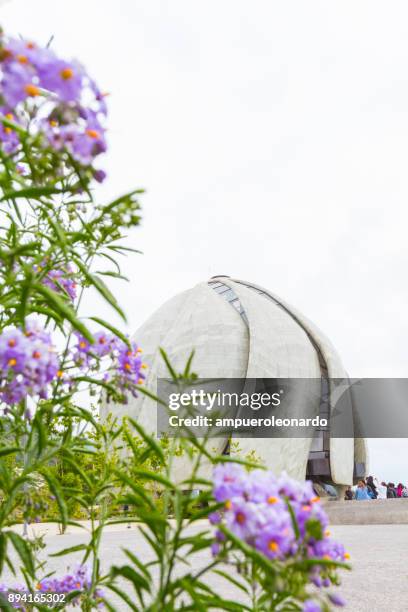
<point x="371" y="488"/>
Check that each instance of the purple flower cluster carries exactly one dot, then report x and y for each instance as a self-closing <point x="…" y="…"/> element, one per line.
<point x="78" y="580"/>
<point x="28" y="363"/>
<point x="62" y="280"/>
<point x="126" y="371"/>
<point x="18" y="588"/>
<point x="64" y="104"/>
<point x="256" y="509"/>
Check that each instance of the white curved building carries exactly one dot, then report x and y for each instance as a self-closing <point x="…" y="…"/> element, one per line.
<point x="239" y="330"/>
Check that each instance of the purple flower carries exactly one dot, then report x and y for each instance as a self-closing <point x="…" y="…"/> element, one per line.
<point x="126" y="371"/>
<point x="17" y="588"/>
<point x="71" y="119"/>
<point x="99" y="176"/>
<point x="243" y="518"/>
<point x="104" y="344"/>
<point x="261" y="510"/>
<point x="79" y="580"/>
<point x="337" y="600"/>
<point x="129" y="367"/>
<point x="62" y="280"/>
<point x="61" y="78"/>
<point x="229" y="481"/>
<point x="311" y="606"/>
<point x="28" y="363"/>
<point x="214" y="518"/>
<point x="8" y="136"/>
<point x="17" y="84"/>
<point x="277" y="539"/>
<point x="87" y="143"/>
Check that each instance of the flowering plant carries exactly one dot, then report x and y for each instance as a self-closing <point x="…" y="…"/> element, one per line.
<point x="283" y="520"/>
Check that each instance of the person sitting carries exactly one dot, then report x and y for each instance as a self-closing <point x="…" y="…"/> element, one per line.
<point x="361" y="491"/>
<point x="348" y="494"/>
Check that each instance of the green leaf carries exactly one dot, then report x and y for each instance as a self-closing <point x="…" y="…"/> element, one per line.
<point x="9" y="450"/>
<point x="30" y="192"/>
<point x="186" y="372"/>
<point x="123" y="596"/>
<point x="306" y="564"/>
<point x="57" y="491"/>
<point x="111" y="328"/>
<point x="3" y="550"/>
<point x="4" y="604"/>
<point x="120" y="200"/>
<point x="119" y="249"/>
<point x="14" y="126"/>
<point x="23" y="551"/>
<point x="150" y="441"/>
<point x="293" y="518"/>
<point x="146" y="475"/>
<point x="68" y="551"/>
<point x="138" y="563"/>
<point x="101" y="287"/>
<point x="113" y="275"/>
<point x="59" y="231"/>
<point x="170" y="368"/>
<point x="132" y="575"/>
<point x="63" y="309"/>
<point x="232" y="580"/>
<point x="250" y="464"/>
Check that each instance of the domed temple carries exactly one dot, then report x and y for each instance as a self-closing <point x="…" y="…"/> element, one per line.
<point x="240" y="330"/>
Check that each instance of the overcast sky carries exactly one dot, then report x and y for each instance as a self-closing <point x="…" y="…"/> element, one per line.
<point x="272" y="138"/>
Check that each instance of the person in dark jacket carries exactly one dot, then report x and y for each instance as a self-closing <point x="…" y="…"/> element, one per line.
<point x="391" y="492"/>
<point x="372" y="489"/>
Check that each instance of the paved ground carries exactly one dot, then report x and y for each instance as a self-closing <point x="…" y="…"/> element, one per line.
<point x="379" y="554"/>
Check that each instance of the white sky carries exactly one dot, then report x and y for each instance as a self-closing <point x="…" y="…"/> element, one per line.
<point x="273" y="140"/>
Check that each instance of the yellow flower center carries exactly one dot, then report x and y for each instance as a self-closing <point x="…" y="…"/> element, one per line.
<point x="347" y="555"/>
<point x="36" y="354"/>
<point x="314" y="500"/>
<point x="272" y="500"/>
<point x="11" y="343"/>
<point x="10" y="117"/>
<point x="67" y="73"/>
<point x="93" y="133"/>
<point x="82" y="344"/>
<point x="59" y="373"/>
<point x="31" y="90"/>
<point x="228" y="504"/>
<point x="128" y="366"/>
<point x="22" y="59"/>
<point x="12" y="362"/>
<point x="274" y="546"/>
